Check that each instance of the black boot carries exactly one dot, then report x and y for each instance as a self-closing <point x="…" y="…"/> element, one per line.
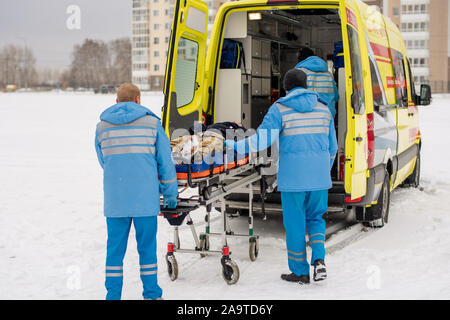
<point x="304" y="279"/>
<point x="320" y="271"/>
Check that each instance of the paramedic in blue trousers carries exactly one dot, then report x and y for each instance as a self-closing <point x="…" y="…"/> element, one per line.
<point x="136" y="158"/>
<point x="319" y="79"/>
<point x="307" y="147"/>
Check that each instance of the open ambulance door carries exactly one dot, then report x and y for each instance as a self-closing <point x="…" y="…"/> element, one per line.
<point x="185" y="67"/>
<point x="356" y="61"/>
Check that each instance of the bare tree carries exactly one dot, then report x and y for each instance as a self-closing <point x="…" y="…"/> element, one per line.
<point x="95" y="63"/>
<point x="17" y="66"/>
<point x="121" y="60"/>
<point x="90" y="64"/>
<point x="48" y="76"/>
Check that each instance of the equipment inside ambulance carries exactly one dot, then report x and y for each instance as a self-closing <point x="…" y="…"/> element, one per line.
<point x="236" y="74"/>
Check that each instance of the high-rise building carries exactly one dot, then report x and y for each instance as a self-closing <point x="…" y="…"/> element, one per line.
<point x="425" y="29"/>
<point x="141" y="44"/>
<point x="424" y="25"/>
<point x="152" y="23"/>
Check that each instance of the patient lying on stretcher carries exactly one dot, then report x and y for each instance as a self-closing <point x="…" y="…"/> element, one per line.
<point x="202" y="153"/>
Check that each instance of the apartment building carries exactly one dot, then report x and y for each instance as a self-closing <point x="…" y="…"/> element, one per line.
<point x="425" y="29"/>
<point x="141" y="44"/>
<point x="152" y="23"/>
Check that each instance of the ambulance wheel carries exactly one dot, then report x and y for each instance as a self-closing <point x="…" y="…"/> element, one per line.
<point x="172" y="267"/>
<point x="379" y="213"/>
<point x="253" y="248"/>
<point x="230" y="271"/>
<point x="414" y="179"/>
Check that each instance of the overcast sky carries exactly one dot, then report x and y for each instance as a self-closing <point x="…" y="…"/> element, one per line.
<point x="42" y="25"/>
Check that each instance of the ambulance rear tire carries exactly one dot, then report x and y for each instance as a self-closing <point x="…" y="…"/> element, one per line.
<point x="379" y="213"/>
<point x="172" y="267"/>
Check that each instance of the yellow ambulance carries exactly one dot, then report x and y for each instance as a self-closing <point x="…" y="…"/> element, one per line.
<point x="377" y="121"/>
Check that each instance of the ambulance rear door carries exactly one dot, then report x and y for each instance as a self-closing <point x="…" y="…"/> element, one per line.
<point x="185" y="67"/>
<point x="356" y="66"/>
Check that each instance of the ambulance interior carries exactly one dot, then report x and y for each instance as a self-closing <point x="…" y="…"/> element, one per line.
<point x="271" y="41"/>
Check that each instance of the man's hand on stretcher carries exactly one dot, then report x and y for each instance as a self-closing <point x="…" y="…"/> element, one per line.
<point x="170" y="203"/>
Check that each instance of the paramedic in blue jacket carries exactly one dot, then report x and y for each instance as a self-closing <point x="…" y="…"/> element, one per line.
<point x="307" y="148"/>
<point x="319" y="79"/>
<point x="136" y="158"/>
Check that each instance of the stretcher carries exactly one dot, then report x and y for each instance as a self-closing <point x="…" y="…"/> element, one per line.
<point x="213" y="186"/>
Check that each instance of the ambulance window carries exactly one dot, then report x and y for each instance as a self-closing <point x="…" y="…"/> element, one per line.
<point x="186" y="71"/>
<point x="377" y="86"/>
<point x="358" y="101"/>
<point x="411" y="80"/>
<point x="400" y="78"/>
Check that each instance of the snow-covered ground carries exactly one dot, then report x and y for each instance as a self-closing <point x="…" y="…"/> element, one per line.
<point x="53" y="234"/>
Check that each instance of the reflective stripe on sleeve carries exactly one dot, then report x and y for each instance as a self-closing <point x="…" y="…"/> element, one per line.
<point x="167" y="182"/>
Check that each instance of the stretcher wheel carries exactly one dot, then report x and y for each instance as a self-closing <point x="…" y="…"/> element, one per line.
<point x="230" y="271"/>
<point x="204" y="244"/>
<point x="253" y="249"/>
<point x="172" y="267"/>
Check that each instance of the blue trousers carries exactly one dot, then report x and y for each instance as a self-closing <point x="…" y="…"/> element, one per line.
<point x="303" y="211"/>
<point x="118" y="231"/>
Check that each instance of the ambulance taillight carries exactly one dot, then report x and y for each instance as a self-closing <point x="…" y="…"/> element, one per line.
<point x="370" y="140"/>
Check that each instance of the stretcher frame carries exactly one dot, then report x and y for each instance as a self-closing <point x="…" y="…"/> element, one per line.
<point x="212" y="190"/>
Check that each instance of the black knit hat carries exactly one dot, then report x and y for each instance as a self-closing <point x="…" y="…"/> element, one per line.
<point x="294" y="78"/>
<point x="304" y="53"/>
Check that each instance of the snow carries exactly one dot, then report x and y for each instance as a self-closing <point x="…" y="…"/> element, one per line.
<point x="53" y="233"/>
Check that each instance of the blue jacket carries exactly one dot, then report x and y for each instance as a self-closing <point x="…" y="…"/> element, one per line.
<point x="320" y="81"/>
<point x="136" y="158"/>
<point x="307" y="141"/>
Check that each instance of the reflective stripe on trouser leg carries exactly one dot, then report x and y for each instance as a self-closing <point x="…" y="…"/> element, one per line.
<point x="316" y="205"/>
<point x="116" y="247"/>
<point x="294" y="223"/>
<point x="146" y="228"/>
